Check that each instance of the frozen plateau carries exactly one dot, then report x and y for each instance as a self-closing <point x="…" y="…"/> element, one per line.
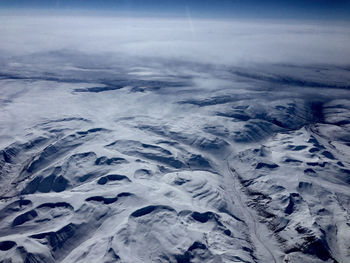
<point x="173" y="140"/>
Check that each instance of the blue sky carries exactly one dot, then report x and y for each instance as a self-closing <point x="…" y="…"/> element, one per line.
<point x="322" y="9"/>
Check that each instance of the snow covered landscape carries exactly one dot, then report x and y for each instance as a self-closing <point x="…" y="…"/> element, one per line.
<point x="173" y="140"/>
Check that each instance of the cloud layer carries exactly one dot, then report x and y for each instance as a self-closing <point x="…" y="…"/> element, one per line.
<point x="209" y="41"/>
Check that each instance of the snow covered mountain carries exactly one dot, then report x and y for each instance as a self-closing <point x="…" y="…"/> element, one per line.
<point x="117" y="158"/>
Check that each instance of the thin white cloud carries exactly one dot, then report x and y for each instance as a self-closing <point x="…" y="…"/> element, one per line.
<point x="215" y="41"/>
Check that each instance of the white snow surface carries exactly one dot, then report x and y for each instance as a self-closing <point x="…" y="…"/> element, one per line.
<point x="145" y="141"/>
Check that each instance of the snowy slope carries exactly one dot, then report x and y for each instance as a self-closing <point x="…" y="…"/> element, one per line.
<point x="151" y="161"/>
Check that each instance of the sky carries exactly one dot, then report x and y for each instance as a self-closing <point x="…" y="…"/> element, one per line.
<point x="312" y="9"/>
<point x="224" y="41"/>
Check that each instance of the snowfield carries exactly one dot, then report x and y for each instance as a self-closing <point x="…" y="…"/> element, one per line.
<point x="137" y="148"/>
